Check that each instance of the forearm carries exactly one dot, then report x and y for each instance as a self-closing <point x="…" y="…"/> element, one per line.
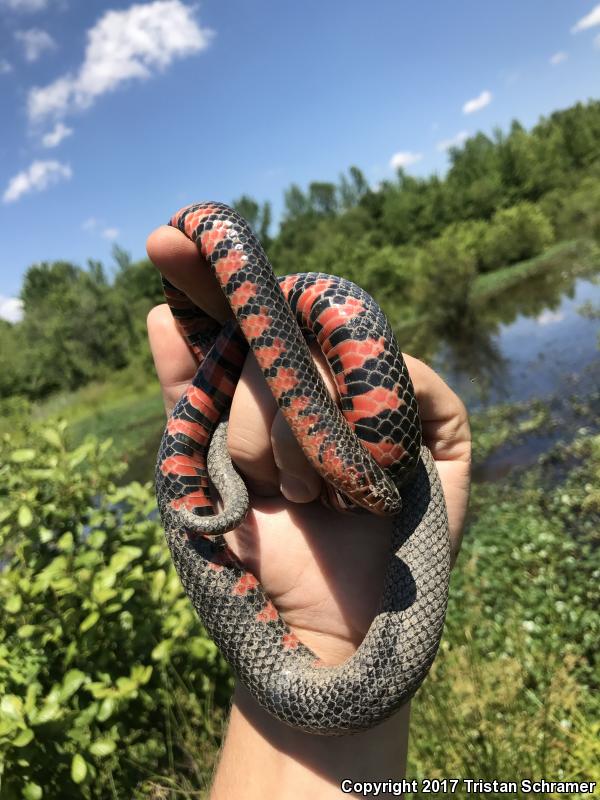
<point x="262" y="757"/>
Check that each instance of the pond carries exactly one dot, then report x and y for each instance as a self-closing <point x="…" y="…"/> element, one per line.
<point x="538" y="340"/>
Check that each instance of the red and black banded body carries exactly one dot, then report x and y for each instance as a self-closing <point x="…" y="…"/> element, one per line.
<point x="366" y="450"/>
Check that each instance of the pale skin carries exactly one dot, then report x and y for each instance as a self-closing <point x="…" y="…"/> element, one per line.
<point x="323" y="570"/>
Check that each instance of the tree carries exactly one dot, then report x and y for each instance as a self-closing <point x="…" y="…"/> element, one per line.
<point x="352" y="190"/>
<point x="322" y="197"/>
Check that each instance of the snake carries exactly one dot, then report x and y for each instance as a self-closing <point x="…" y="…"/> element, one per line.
<point x="367" y="446"/>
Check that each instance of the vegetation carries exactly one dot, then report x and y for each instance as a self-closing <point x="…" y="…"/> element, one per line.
<point x="109" y="687"/>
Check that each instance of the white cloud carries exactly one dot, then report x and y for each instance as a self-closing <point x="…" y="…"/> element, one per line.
<point x="123" y="45"/>
<point x="11" y="308"/>
<point x="589" y="21"/>
<point x="25" y="5"/>
<point x="550" y="317"/>
<point x="477" y="103"/>
<point x="39" y="176"/>
<point x="54" y="137"/>
<point x="99" y="227"/>
<point x="5" y="67"/>
<point x="90" y="224"/>
<point x="558" y="58"/>
<point x="404" y="159"/>
<point x="455" y="141"/>
<point x="35" y="42"/>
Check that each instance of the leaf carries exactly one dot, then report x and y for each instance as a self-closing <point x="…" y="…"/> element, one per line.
<point x="23" y="455"/>
<point x="78" y="768"/>
<point x="23" y="738"/>
<point x="65" y="542"/>
<point x="162" y="650"/>
<point x="24" y="517"/>
<point x="25" y="631"/>
<point x="71" y="682"/>
<point x="32" y="791"/>
<point x="89" y="621"/>
<point x="11" y="706"/>
<point x="52" y="437"/>
<point x="107" y="706"/>
<point x="102" y="747"/>
<point x="141" y="674"/>
<point x="14" y="603"/>
<point x="125" y="555"/>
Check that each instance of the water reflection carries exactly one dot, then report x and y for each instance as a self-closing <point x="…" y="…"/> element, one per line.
<point x="526" y="342"/>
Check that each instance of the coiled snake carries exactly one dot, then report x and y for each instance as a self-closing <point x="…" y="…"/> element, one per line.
<point x="369" y="454"/>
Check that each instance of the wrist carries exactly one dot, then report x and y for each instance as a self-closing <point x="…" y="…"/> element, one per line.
<point x="269" y="758"/>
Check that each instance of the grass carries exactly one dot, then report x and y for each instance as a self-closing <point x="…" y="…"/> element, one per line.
<point x="575" y="252"/>
<point x="514" y="691"/>
<point x="128" y="409"/>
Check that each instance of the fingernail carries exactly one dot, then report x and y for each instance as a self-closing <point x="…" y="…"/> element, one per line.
<point x="295" y="490"/>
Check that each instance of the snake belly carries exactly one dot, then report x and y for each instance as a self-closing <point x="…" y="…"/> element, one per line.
<point x="368" y="451"/>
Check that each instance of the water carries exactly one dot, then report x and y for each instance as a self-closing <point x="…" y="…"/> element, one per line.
<point x="532" y="341"/>
<point x="540" y="343"/>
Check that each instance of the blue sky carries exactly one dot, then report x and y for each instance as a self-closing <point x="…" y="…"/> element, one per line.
<point x="115" y="114"/>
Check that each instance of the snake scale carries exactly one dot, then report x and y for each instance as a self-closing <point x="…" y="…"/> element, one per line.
<point x="368" y="451"/>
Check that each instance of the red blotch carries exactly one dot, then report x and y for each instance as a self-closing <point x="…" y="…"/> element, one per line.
<point x="228" y="266"/>
<point x="256" y="324"/>
<point x="354" y="354"/>
<point x="372" y="403"/>
<point x="191" y="429"/>
<point x="202" y="402"/>
<point x="288" y="284"/>
<point x="311" y="295"/>
<point x="210" y="239"/>
<point x="267" y="614"/>
<point x="386" y="452"/>
<point x="286" y="379"/>
<point x="241" y="296"/>
<point x="193" y="219"/>
<point x="191" y="501"/>
<point x="245" y="584"/>
<point x="266" y="356"/>
<point x="290" y="641"/>
<point x="180" y="465"/>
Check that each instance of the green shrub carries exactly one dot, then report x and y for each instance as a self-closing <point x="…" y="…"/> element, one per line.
<point x="579" y="214"/>
<point x="104" y="668"/>
<point x="514" y="234"/>
<point x="445" y="270"/>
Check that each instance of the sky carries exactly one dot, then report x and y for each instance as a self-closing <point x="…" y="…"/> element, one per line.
<point x="113" y="115"/>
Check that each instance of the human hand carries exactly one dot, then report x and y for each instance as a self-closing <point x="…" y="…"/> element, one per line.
<point x="323" y="570"/>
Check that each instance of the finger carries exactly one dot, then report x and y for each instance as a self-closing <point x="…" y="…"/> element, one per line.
<point x="179" y="260"/>
<point x="298" y="480"/>
<point x="447" y="433"/>
<point x="443" y="415"/>
<point x="174" y="361"/>
<point x="249" y="442"/>
<point x="261" y="443"/>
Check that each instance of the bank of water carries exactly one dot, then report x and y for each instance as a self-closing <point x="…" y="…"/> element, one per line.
<point x="522" y="344"/>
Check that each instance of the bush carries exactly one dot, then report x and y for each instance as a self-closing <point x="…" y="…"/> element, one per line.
<point x="579" y="214"/>
<point x="514" y="234"/>
<point x="444" y="273"/>
<point x="104" y="668"/>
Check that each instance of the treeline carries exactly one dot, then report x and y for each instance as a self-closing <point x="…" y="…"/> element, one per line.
<point x="417" y="244"/>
